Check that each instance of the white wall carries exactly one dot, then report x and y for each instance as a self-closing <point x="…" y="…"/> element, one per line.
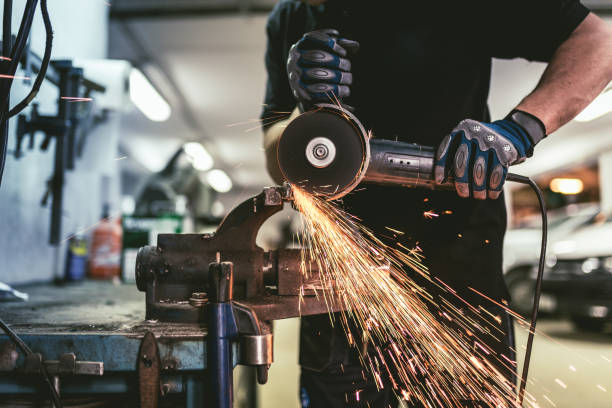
<point x="80" y="29"/>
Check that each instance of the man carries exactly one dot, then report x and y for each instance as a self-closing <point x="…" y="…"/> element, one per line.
<point x="420" y="72"/>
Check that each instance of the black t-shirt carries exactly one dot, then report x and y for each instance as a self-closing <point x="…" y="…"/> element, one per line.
<point x="422" y="67"/>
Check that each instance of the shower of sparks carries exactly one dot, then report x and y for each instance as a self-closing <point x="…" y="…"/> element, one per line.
<point x="404" y="336"/>
<point x="561" y="383"/>
<point x="5" y="58"/>
<point x="76" y="99"/>
<point x="601" y="387"/>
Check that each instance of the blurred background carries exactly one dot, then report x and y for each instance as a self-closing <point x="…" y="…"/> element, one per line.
<point x="172" y="143"/>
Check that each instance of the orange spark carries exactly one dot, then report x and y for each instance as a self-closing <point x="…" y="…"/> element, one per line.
<point x="430" y="214"/>
<point x="76" y="99"/>
<point x="13" y="76"/>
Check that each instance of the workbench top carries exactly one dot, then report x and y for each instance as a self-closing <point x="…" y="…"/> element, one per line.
<point x="89" y="307"/>
<point x="98" y="321"/>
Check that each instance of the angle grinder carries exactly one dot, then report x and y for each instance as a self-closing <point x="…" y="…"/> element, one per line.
<point x="327" y="152"/>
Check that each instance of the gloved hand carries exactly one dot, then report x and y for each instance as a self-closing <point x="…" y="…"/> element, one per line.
<point x="478" y="154"/>
<point x="318" y="67"/>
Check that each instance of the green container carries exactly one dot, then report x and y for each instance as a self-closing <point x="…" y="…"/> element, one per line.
<point x="143" y="231"/>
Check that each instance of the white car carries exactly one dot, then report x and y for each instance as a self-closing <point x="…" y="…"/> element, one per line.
<point x="522" y="251"/>
<point x="580" y="274"/>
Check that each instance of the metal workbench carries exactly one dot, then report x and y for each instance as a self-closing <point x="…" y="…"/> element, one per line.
<point x="100" y="322"/>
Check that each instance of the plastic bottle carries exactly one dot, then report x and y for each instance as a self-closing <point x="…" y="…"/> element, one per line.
<point x="105" y="258"/>
<point x="76" y="258"/>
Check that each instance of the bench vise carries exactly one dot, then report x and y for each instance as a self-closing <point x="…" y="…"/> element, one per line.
<point x="226" y="281"/>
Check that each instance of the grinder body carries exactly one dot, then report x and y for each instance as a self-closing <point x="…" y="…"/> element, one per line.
<point x="401" y="163"/>
<point x="327" y="152"/>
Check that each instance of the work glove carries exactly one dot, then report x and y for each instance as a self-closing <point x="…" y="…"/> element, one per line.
<point x="478" y="154"/>
<point x="319" y="69"/>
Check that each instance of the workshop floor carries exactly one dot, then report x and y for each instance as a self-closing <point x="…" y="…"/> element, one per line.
<point x="569" y="369"/>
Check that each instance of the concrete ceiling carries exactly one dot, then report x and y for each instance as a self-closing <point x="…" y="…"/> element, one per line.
<point x="211" y="70"/>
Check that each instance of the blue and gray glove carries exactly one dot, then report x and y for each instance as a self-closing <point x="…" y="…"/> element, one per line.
<point x="319" y="69"/>
<point x="478" y="154"/>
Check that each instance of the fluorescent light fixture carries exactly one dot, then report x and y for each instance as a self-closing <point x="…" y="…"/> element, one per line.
<point x="566" y="185"/>
<point x="219" y="180"/>
<point x="146" y="98"/>
<point x="198" y="156"/>
<point x="599" y="107"/>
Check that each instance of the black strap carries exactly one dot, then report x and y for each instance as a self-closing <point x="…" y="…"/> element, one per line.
<point x="533" y="126"/>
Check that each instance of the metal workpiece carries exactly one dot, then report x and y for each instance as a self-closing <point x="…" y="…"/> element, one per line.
<point x="282" y="271"/>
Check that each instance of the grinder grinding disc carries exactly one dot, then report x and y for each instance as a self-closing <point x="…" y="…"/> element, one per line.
<point x="324" y="151"/>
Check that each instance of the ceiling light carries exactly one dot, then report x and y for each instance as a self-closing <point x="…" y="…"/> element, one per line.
<point x="219" y="180"/>
<point x="146" y="98"/>
<point x="599" y="107"/>
<point x="217" y="209"/>
<point x="198" y="156"/>
<point x="566" y="185"/>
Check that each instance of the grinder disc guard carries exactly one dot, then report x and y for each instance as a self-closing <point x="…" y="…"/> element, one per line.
<point x="343" y="136"/>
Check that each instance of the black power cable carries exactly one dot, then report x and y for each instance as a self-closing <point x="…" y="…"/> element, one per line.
<point x="538" y="287"/>
<point x="6" y="69"/>
<point x="14" y="53"/>
<point x="17" y="51"/>
<point x="44" y="64"/>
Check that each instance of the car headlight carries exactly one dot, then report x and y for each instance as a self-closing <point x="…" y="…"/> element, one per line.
<point x="608" y="264"/>
<point x="590" y="264"/>
<point x="551" y="260"/>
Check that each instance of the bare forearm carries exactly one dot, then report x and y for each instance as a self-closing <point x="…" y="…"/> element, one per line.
<point x="270" y="143"/>
<point x="579" y="70"/>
